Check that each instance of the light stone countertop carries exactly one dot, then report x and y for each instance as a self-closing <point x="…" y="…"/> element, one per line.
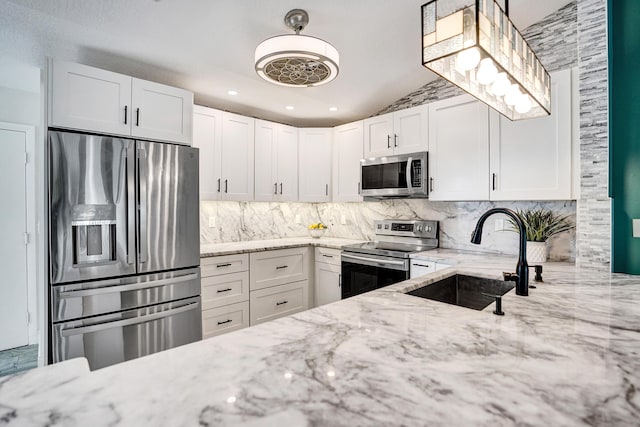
<point x="215" y="249"/>
<point x="566" y="355"/>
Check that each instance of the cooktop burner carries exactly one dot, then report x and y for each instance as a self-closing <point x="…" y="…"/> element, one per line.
<point x="399" y="238"/>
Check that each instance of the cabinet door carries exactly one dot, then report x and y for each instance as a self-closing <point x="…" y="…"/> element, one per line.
<point x="278" y="301"/>
<point x="271" y="268"/>
<point x="237" y="157"/>
<point x="459" y="149"/>
<point x="531" y="159"/>
<point x="161" y="112"/>
<point x="287" y="161"/>
<point x="378" y="136"/>
<point x="327" y="284"/>
<point x="225" y="319"/>
<point x="207" y="136"/>
<point x="410" y="129"/>
<point x="347" y="153"/>
<point x="314" y="149"/>
<point x="266" y="178"/>
<point x="88" y="98"/>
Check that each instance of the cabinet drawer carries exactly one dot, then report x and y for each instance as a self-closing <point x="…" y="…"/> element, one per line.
<point x="225" y="289"/>
<point x="271" y="303"/>
<point x="271" y="268"/>
<point x="327" y="255"/>
<point x="213" y="266"/>
<point x="420" y="268"/>
<point x="225" y="319"/>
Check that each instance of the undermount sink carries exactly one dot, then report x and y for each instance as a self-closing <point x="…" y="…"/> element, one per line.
<point x="465" y="291"/>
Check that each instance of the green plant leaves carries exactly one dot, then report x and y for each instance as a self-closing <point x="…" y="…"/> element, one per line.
<point x="540" y="224"/>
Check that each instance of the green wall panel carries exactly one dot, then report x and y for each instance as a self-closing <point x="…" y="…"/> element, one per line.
<point x="624" y="132"/>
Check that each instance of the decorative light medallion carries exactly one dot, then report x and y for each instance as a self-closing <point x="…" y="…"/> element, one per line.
<point x="295" y="60"/>
<point x="474" y="45"/>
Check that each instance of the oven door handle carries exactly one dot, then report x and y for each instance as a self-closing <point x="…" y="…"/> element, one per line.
<point x="376" y="261"/>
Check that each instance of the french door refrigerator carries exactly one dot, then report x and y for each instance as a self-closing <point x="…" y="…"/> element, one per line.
<point x="123" y="247"/>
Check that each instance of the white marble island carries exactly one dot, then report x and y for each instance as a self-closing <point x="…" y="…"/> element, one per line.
<point x="566" y="355"/>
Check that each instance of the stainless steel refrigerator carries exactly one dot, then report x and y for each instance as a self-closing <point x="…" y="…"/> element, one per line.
<point x="124" y="247"/>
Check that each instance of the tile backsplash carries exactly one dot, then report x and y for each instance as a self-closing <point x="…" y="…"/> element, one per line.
<point x="243" y="221"/>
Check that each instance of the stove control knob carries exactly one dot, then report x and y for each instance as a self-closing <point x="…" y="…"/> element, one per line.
<point x="379" y="226"/>
<point x="427" y="228"/>
<point x="419" y="228"/>
<point x="386" y="226"/>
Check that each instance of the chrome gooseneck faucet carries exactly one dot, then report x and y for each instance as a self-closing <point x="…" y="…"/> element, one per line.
<point x="522" y="268"/>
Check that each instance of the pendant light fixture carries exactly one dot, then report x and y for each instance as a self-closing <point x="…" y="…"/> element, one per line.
<point x="474" y="45"/>
<point x="296" y="60"/>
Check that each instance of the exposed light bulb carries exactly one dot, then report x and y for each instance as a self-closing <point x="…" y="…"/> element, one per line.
<point x="513" y="95"/>
<point x="487" y="72"/>
<point x="500" y="85"/>
<point x="467" y="59"/>
<point x="523" y="105"/>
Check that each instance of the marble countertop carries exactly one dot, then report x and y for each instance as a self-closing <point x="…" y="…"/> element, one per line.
<point x="215" y="249"/>
<point x="566" y="355"/>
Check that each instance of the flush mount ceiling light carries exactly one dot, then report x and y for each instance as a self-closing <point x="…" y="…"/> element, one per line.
<point x="474" y="45"/>
<point x="295" y="60"/>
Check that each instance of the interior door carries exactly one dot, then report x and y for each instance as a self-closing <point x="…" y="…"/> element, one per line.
<point x="13" y="251"/>
<point x="168" y="207"/>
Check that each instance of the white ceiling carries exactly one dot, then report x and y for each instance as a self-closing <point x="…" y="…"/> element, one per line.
<point x="207" y="46"/>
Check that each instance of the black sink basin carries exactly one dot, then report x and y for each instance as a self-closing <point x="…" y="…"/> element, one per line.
<point x="465" y="291"/>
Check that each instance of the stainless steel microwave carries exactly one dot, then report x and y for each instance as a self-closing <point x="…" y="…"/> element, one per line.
<point x="395" y="176"/>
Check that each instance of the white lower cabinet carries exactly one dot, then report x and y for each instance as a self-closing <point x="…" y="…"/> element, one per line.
<point x="225" y="294"/>
<point x="277" y="267"/>
<point x="277" y="301"/>
<point x="420" y="268"/>
<point x="327" y="284"/>
<point x="225" y="319"/>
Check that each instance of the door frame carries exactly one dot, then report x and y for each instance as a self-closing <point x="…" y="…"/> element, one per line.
<point x="31" y="206"/>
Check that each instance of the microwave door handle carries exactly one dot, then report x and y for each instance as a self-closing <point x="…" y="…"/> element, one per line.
<point x="409" y="177"/>
<point x="142" y="205"/>
<point x="131" y="202"/>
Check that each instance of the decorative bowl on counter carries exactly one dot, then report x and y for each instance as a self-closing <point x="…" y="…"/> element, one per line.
<point x="317" y="230"/>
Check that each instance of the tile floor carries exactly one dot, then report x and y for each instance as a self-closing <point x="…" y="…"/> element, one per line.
<point x="18" y="359"/>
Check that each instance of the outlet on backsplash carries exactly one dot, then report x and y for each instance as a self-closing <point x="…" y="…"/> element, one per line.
<point x="499" y="224"/>
<point x="343" y="220"/>
<point x="297" y="219"/>
<point x="212" y="222"/>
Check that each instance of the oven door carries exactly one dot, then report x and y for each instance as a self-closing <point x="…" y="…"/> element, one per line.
<point x="363" y="273"/>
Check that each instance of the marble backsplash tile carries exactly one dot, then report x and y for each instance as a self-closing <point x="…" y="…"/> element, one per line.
<point x="243" y="221"/>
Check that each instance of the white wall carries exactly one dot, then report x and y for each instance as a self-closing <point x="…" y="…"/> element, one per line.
<point x="22" y="102"/>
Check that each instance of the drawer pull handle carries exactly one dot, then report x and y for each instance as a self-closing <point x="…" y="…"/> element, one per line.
<point x="422" y="265"/>
<point x="223" y="265"/>
<point x="223" y="290"/>
<point x="327" y="256"/>
<point x="226" y="321"/>
<point x="280" y="267"/>
<point x="282" y="302"/>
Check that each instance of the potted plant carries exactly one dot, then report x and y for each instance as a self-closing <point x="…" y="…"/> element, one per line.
<point x="540" y="224"/>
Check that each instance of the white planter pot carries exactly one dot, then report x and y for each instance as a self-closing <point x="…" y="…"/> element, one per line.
<point x="536" y="252"/>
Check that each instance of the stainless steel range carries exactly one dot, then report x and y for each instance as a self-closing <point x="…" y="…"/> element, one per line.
<point x="372" y="265"/>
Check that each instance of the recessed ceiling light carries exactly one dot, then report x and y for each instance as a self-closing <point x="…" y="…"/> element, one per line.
<point x="289" y="107"/>
<point x="232" y="92"/>
<point x="333" y="108"/>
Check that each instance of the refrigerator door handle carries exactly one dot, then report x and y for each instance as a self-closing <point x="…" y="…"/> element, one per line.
<point x="142" y="205"/>
<point x="131" y="204"/>
<point x="67" y="332"/>
<point x="131" y="287"/>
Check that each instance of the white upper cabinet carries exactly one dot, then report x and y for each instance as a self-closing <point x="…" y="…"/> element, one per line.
<point x="347" y="153"/>
<point x="411" y="133"/>
<point x="207" y="136"/>
<point x="459" y="154"/>
<point x="95" y="100"/>
<point x="161" y="112"/>
<point x="276" y="165"/>
<point x="401" y="132"/>
<point x="87" y="98"/>
<point x="378" y="135"/>
<point x="236" y="180"/>
<point x="314" y="149"/>
<point x="531" y="159"/>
